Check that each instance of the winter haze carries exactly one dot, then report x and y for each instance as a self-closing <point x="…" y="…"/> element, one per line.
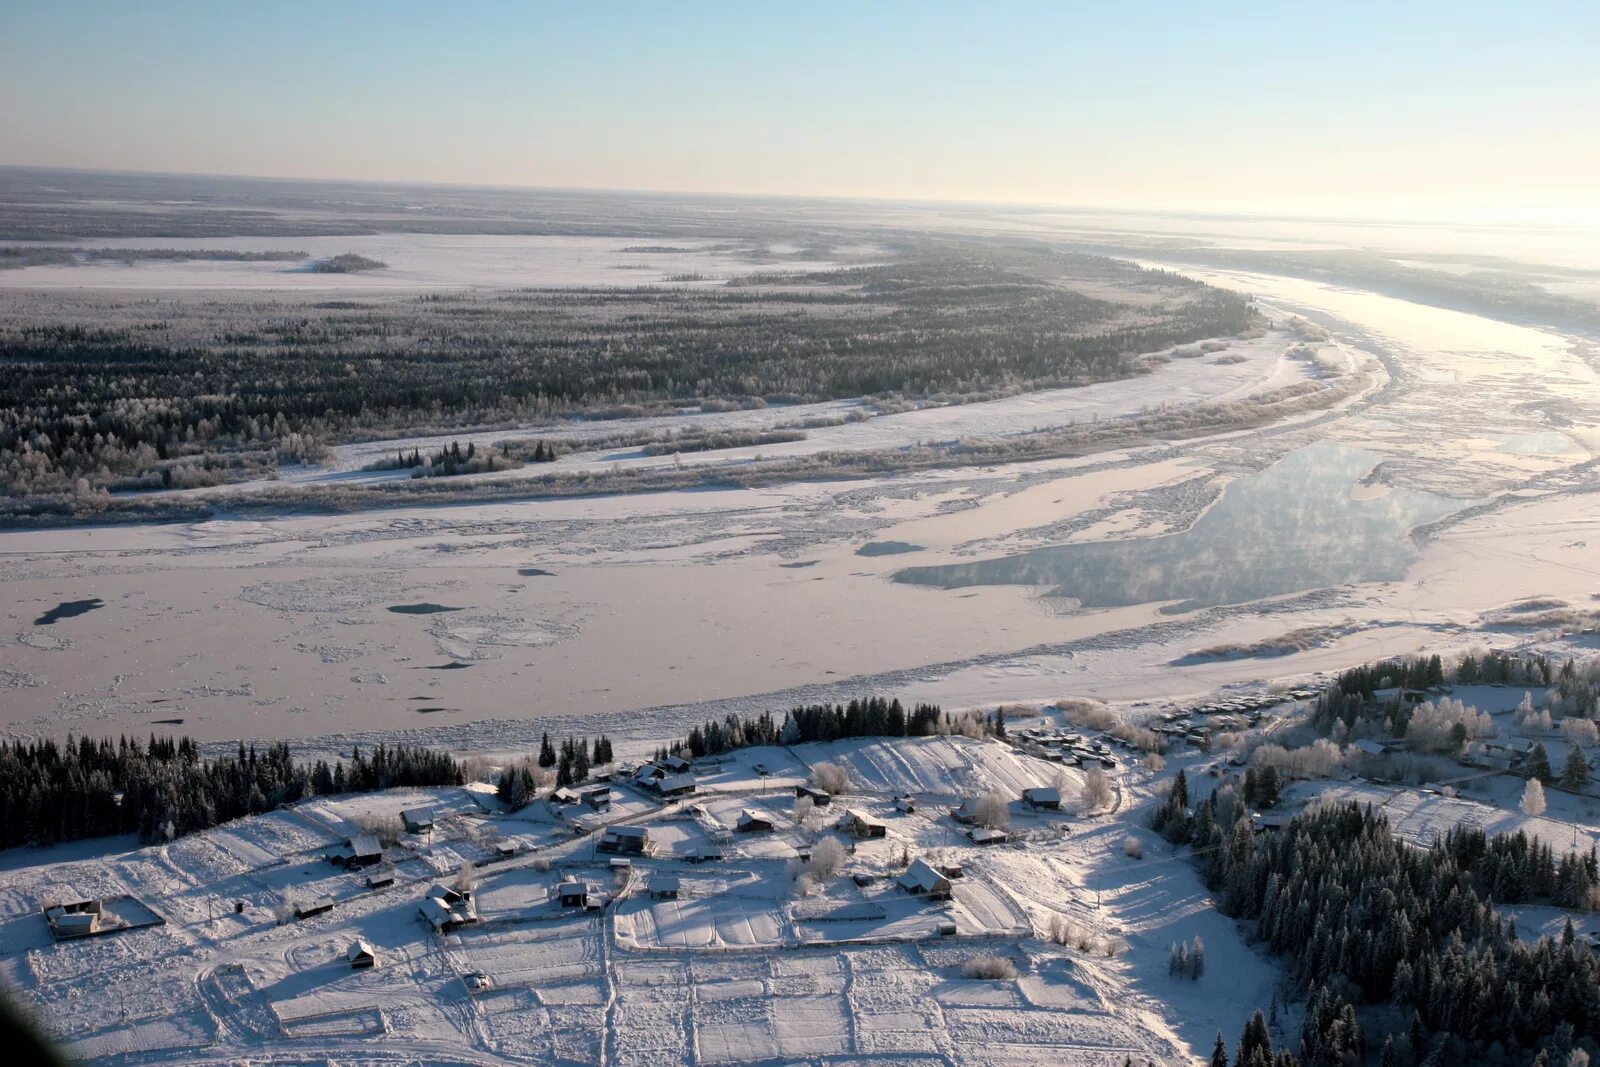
<point x="716" y="534"/>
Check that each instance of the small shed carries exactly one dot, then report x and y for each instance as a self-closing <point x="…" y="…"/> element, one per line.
<point x="966" y="811"/>
<point x="598" y="797"/>
<point x="674" y="764"/>
<point x="382" y="878"/>
<point x="906" y="805"/>
<point x="952" y="869"/>
<point x="754" y="821"/>
<point x="573" y="894"/>
<point x="921" y="879"/>
<point x="504" y="850"/>
<point x="320" y="906"/>
<point x="982" y="835"/>
<point x="664" y="887"/>
<point x="861" y="825"/>
<point x="361" y="955"/>
<point x="1044" y="797"/>
<point x="74" y="918"/>
<point x="820" y="797"/>
<point x="417" y="820"/>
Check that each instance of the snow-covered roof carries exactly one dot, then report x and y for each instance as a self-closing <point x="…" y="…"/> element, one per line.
<point x="417" y="816"/>
<point x="1371" y="748"/>
<point x="1042" y="795"/>
<point x="922" y="878"/>
<point x="669" y="783"/>
<point x="572" y="889"/>
<point x="861" y="818"/>
<point x="366" y="845"/>
<point x="359" y="948"/>
<point x="664" y="883"/>
<point x="984" y="836"/>
<point x="639" y="832"/>
<point x="754" y="815"/>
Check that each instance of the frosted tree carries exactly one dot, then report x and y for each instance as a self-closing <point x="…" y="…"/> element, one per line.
<point x="805" y="810"/>
<point x="1533" y="797"/>
<point x="994" y="810"/>
<point x="830" y="777"/>
<point x="1096" y="790"/>
<point x="827" y="859"/>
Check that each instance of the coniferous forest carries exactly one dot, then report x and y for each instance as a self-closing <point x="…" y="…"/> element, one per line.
<point x="164" y="789"/>
<point x="1406" y="938"/>
<point x="108" y="391"/>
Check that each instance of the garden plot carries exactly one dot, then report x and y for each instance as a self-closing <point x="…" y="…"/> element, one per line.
<point x="349" y="811"/>
<point x="736" y="1030"/>
<point x="171" y="1036"/>
<point x="694" y="921"/>
<point x="563" y="951"/>
<point x="1423" y="817"/>
<point x="650" y="1027"/>
<point x="943" y="766"/>
<point x="736" y="771"/>
<point x="676" y="838"/>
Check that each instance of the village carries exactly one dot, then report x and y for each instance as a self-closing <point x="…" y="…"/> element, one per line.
<point x="920" y="896"/>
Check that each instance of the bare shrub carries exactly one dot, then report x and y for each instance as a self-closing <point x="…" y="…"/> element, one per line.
<point x="1132" y="847"/>
<point x="989" y="967"/>
<point x="1096" y="790"/>
<point x="830" y="777"/>
<point x="386" y="828"/>
<point x="1580" y="731"/>
<point x="1434" y="727"/>
<point x="1093" y="715"/>
<point x="466" y="879"/>
<point x="1156" y="761"/>
<point x="994" y="810"/>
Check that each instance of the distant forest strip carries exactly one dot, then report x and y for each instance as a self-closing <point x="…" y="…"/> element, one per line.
<point x="15" y="258"/>
<point x="163" y="789"/>
<point x="344" y="498"/>
<point x="111" y="392"/>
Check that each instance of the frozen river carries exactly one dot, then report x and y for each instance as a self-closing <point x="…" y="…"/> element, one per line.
<point x="1409" y="516"/>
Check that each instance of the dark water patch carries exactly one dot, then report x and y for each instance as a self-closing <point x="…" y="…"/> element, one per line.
<point x="431" y="711"/>
<point x="453" y="665"/>
<point x="800" y="564"/>
<point x="888" y="548"/>
<point x="166" y="722"/>
<point x="1294" y="526"/>
<point x="535" y="572"/>
<point x="424" y="608"/>
<point x="69" y="609"/>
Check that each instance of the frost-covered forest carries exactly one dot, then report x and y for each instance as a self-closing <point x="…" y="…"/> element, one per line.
<point x="108" y="391"/>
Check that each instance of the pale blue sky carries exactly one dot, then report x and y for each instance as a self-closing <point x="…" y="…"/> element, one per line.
<point x="1282" y="106"/>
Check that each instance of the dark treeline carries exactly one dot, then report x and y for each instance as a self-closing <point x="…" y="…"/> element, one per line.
<point x="451" y="460"/>
<point x="15" y="258"/>
<point x="1350" y="699"/>
<point x="866" y="717"/>
<point x="578" y="757"/>
<point x="1408" y="935"/>
<point x="162" y="789"/>
<point x="111" y="389"/>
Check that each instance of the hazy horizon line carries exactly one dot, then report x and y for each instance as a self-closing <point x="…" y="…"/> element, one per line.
<point x="1360" y="217"/>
